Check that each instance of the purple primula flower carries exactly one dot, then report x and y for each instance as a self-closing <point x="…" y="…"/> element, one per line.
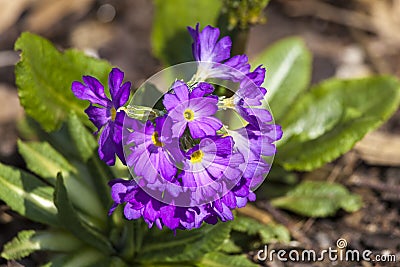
<point x="209" y="168"/>
<point x="188" y="169"/>
<point x="140" y="204"/>
<point x="192" y="109"/>
<point x="105" y="113"/>
<point x="253" y="142"/>
<point x="213" y="55"/>
<point x="150" y="157"/>
<point x="248" y="99"/>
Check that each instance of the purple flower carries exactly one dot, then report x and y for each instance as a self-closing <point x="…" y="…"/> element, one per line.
<point x="104" y="113"/>
<point x="150" y="157"/>
<point x="253" y="142"/>
<point x="211" y="169"/>
<point x="214" y="61"/>
<point x="186" y="172"/>
<point x="140" y="204"/>
<point x="213" y="55"/>
<point x="192" y="109"/>
<point x="216" y="186"/>
<point x="248" y="99"/>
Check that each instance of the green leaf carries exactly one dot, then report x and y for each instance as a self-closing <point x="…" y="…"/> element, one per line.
<point x="83" y="140"/>
<point x="327" y="122"/>
<point x="20" y="247"/>
<point x="288" y="65"/>
<point x="93" y="174"/>
<point x="44" y="77"/>
<point x="217" y="259"/>
<point x="71" y="221"/>
<point x="60" y="140"/>
<point x="185" y="245"/>
<point x="318" y="199"/>
<point x="27" y="195"/>
<point x="101" y="175"/>
<point x="29" y="241"/>
<point x="171" y="41"/>
<point x="43" y="160"/>
<point x="83" y="257"/>
<point x="268" y="233"/>
<point x="229" y="246"/>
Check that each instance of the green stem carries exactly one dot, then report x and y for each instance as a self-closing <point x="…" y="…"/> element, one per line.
<point x="129" y="243"/>
<point x="239" y="40"/>
<point x="140" y="231"/>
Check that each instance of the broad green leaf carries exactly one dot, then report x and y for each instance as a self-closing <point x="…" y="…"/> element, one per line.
<point x="29" y="241"/>
<point x="43" y="160"/>
<point x="44" y="77"/>
<point x="217" y="259"/>
<point x="71" y="221"/>
<point x="27" y="195"/>
<point x="93" y="176"/>
<point x="101" y="174"/>
<point x="229" y="246"/>
<point x="83" y="140"/>
<point x="84" y="257"/>
<point x="288" y="65"/>
<point x="185" y="245"/>
<point x="170" y="39"/>
<point x="318" y="199"/>
<point x="327" y="121"/>
<point x="268" y="233"/>
<point x="60" y="140"/>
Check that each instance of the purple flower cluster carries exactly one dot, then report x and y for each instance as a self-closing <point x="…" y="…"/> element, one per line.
<point x="188" y="167"/>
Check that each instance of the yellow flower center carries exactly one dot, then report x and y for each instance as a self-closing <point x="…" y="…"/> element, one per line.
<point x="155" y="140"/>
<point x="188" y="114"/>
<point x="229" y="102"/>
<point x="196" y="156"/>
<point x="113" y="113"/>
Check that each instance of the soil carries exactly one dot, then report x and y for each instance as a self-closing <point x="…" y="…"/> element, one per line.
<point x="124" y="40"/>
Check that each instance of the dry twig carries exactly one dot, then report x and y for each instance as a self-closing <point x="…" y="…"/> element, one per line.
<point x="382" y="187"/>
<point x="256" y="213"/>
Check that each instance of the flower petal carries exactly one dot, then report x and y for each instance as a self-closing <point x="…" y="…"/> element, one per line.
<point x="181" y="91"/>
<point x="92" y="90"/>
<point x="201" y="90"/>
<point x="119" y="92"/>
<point x="170" y="101"/>
<point x="131" y="213"/>
<point x="106" y="146"/>
<point x="204" y="126"/>
<point x="98" y="116"/>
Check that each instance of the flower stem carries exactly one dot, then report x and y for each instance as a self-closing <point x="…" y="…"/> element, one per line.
<point x="129" y="237"/>
<point x="239" y="41"/>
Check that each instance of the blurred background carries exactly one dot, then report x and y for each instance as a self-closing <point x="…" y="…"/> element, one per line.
<point x="348" y="38"/>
